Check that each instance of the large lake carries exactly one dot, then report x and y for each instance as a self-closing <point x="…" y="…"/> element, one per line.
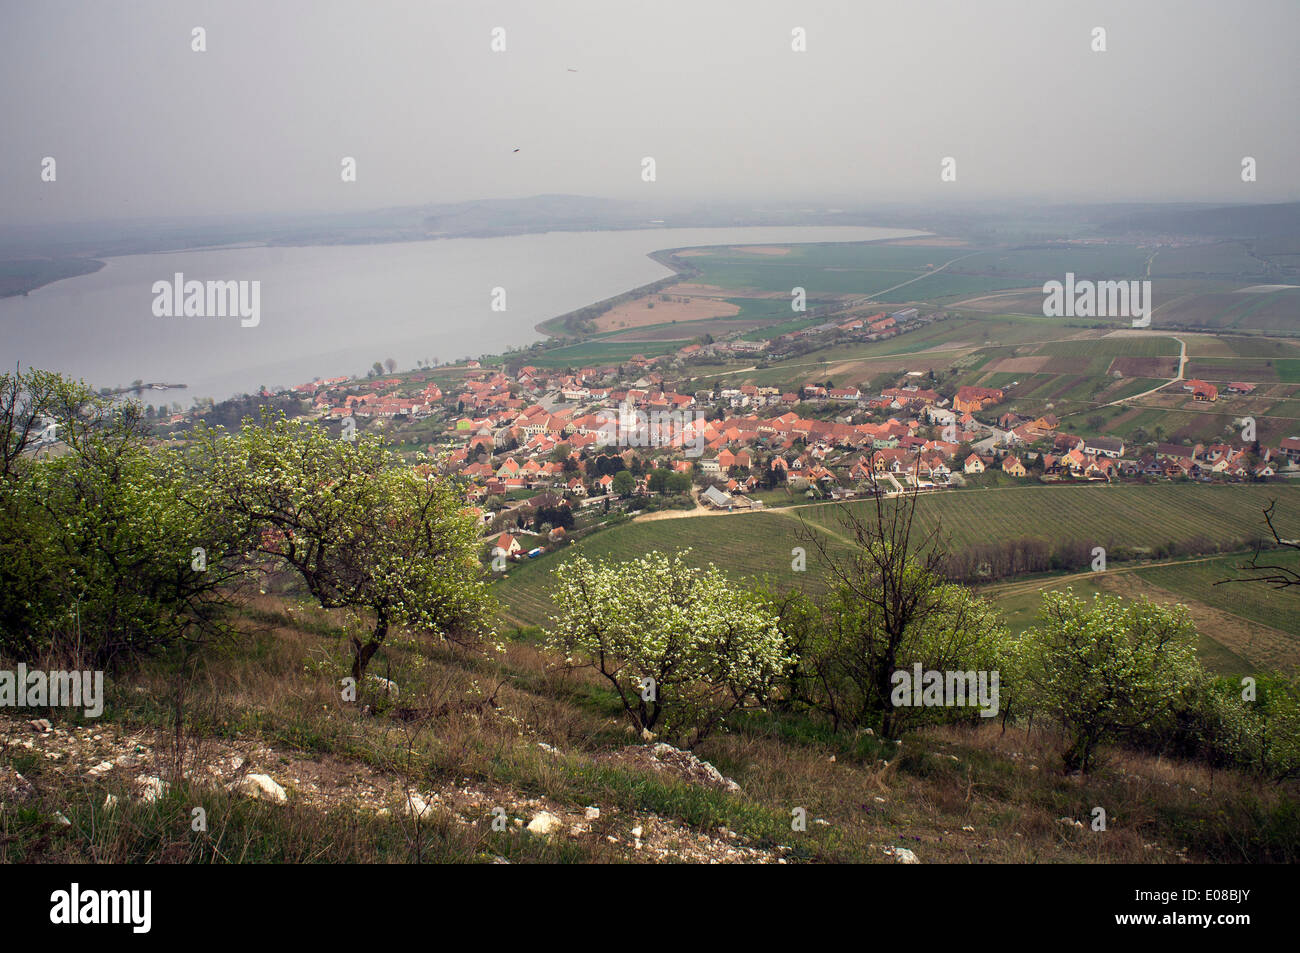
<point x="335" y="310"/>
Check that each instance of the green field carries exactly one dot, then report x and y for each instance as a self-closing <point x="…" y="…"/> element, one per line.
<point x="756" y="545"/>
<point x="1039" y="264"/>
<point x="1277" y="609"/>
<point x="1225" y="258"/>
<point x="1242" y="626"/>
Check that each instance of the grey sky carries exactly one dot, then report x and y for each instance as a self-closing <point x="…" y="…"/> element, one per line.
<point x="141" y="126"/>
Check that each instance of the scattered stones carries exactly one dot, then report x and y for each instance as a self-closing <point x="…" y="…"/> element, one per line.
<point x="40" y="724"/>
<point x="13" y="786"/>
<point x="323" y="782"/>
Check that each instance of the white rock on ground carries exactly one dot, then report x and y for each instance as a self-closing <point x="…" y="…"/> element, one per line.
<point x="13" y="786"/>
<point x="416" y="806"/>
<point x="386" y="686"/>
<point x="593" y="813"/>
<point x="149" y="789"/>
<point x="693" y="766"/>
<point x="543" y="823"/>
<point x="902" y="855"/>
<point x="263" y="787"/>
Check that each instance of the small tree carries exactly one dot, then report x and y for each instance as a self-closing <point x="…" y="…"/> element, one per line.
<point x="681" y="646"/>
<point x="1275" y="575"/>
<point x="624" y="483"/>
<point x="1105" y="669"/>
<point x="888" y="608"/>
<point x="361" y="531"/>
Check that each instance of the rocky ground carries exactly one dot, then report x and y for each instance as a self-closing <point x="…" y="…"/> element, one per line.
<point x="142" y="762"/>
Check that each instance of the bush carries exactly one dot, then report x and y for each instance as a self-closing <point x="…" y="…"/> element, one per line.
<point x="1106" y="670"/>
<point x="681" y="646"/>
<point x="111" y="549"/>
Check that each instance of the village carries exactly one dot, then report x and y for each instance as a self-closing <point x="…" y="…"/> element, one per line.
<point x="548" y="455"/>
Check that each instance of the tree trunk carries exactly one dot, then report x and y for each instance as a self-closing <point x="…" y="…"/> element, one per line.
<point x="362" y="653"/>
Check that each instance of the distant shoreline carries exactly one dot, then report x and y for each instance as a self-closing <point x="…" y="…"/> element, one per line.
<point x="21" y="276"/>
<point x="668" y="257"/>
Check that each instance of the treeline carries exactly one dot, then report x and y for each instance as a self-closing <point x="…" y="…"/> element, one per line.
<point x="893" y="646"/>
<point x="232" y="412"/>
<point x="1006" y="559"/>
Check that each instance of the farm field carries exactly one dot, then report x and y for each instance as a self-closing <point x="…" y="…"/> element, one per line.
<point x="757" y="545"/>
<point x="1134" y="517"/>
<point x="1243" y="626"/>
<point x="1052" y="261"/>
<point x="1202" y="302"/>
<point x="941" y="345"/>
<point x="1222" y="258"/>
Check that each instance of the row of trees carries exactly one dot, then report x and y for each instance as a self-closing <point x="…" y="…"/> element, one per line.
<point x="117" y="546"/>
<point x="684" y="648"/>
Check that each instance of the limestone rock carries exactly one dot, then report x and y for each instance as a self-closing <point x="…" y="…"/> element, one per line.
<point x="543" y="823"/>
<point x="263" y="787"/>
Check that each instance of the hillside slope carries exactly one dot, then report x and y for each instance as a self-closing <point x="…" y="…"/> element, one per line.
<point x="420" y="778"/>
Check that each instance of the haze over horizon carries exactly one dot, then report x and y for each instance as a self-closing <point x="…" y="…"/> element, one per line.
<point x="142" y="126"/>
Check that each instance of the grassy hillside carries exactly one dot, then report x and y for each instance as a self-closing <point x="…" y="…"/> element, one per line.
<point x="474" y="737"/>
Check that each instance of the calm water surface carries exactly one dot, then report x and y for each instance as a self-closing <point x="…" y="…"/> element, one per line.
<point x="333" y="310"/>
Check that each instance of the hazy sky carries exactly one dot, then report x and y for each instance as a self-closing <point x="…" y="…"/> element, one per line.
<point x="140" y="125"/>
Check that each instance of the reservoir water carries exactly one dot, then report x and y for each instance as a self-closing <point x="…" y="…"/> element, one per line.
<point x="333" y="310"/>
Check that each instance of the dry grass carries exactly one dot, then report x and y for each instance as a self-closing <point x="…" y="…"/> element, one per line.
<point x="472" y="730"/>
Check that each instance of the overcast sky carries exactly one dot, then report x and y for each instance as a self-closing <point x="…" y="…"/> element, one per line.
<point x="141" y="126"/>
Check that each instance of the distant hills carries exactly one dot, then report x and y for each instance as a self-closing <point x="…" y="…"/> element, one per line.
<point x="1231" y="221"/>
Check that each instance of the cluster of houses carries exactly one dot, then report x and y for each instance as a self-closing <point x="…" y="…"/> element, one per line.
<point x="505" y="430"/>
<point x="379" y="398"/>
